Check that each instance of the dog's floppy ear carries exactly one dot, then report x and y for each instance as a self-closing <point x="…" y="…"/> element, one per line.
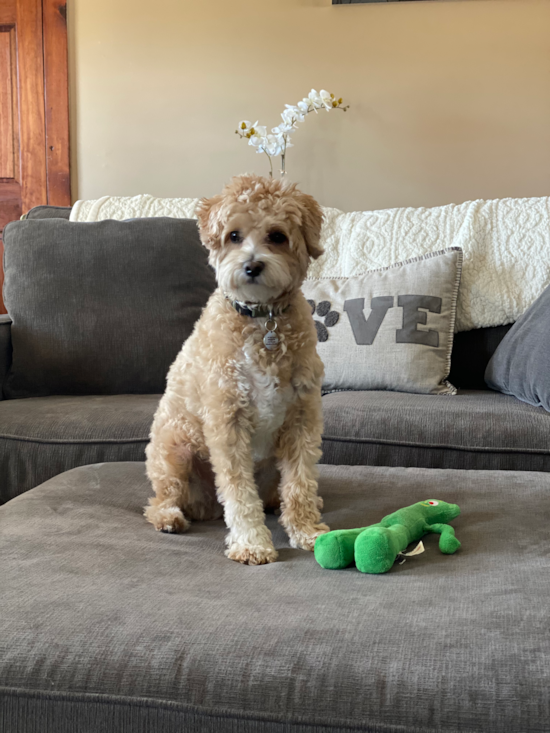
<point x="312" y="219"/>
<point x="209" y="217"/>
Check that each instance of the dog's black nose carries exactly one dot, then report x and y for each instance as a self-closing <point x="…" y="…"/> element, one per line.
<point x="253" y="269"/>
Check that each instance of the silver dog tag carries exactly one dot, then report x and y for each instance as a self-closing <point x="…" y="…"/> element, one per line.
<point x="271" y="340"/>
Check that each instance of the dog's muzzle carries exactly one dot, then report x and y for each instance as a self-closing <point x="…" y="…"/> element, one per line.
<point x="254" y="269"/>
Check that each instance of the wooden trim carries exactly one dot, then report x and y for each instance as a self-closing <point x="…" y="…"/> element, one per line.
<point x="7" y="150"/>
<point x="15" y="99"/>
<point x="10" y="190"/>
<point x="7" y="11"/>
<point x="31" y="97"/>
<point x="56" y="92"/>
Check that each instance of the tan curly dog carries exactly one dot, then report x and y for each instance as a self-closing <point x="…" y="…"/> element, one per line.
<point x="239" y="426"/>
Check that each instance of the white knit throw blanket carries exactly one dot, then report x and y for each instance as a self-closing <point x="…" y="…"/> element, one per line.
<point x="506" y="245"/>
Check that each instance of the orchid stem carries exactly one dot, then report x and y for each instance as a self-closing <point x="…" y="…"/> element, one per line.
<point x="270" y="164"/>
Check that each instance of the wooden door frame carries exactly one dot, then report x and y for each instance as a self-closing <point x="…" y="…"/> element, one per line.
<point x="42" y="92"/>
<point x="44" y="103"/>
<point x="30" y="85"/>
<point x="56" y="102"/>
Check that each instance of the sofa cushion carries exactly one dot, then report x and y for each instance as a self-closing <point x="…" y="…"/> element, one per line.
<point x="5" y="348"/>
<point x="520" y="365"/>
<point x="49" y="212"/>
<point x="100" y="308"/>
<point x="107" y="625"/>
<point x="41" y="437"/>
<point x="475" y="429"/>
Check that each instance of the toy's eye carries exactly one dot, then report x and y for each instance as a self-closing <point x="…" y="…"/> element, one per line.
<point x="433" y="502"/>
<point x="235" y="237"/>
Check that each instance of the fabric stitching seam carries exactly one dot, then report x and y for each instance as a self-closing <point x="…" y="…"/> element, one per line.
<point x="440" y="446"/>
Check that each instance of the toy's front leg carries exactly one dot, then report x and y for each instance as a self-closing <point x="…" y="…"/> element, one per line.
<point x="448" y="543"/>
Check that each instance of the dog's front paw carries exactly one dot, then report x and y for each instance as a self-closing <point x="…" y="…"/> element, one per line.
<point x="304" y="538"/>
<point x="166" y="519"/>
<point x="251" y="554"/>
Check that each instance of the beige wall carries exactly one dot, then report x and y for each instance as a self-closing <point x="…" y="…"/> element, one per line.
<point x="450" y="100"/>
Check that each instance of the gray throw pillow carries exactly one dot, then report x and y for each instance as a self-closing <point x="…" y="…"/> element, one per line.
<point x="391" y="328"/>
<point x="521" y="364"/>
<point x="103" y="307"/>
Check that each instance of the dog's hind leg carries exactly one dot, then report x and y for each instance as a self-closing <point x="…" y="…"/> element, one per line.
<point x="169" y="465"/>
<point x="267" y="479"/>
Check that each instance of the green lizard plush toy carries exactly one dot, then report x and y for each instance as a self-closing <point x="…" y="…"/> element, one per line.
<point x="375" y="548"/>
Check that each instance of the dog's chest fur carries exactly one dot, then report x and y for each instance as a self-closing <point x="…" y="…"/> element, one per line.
<point x="269" y="400"/>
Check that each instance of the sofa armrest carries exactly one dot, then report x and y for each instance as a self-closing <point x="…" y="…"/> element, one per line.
<point x="5" y="349"/>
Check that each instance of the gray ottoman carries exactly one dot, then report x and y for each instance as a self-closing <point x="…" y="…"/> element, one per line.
<point x="109" y="626"/>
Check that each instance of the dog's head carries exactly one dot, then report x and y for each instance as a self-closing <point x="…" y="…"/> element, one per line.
<point x="261" y="234"/>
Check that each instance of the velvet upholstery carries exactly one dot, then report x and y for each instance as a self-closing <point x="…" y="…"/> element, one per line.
<point x="107" y="625"/>
<point x="100" y="308"/>
<point x="49" y="212"/>
<point x="473" y="430"/>
<point x="40" y="437"/>
<point x="5" y="348"/>
<point x="520" y="365"/>
<point x="43" y="436"/>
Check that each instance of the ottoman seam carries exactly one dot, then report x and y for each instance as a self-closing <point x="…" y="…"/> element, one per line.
<point x="152" y="702"/>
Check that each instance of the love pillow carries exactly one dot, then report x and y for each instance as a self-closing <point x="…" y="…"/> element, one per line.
<point x="391" y="328"/>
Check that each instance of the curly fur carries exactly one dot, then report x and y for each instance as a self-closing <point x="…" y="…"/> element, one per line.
<point x="239" y="427"/>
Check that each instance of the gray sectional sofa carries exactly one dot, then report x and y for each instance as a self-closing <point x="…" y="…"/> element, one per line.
<point x="42" y="436"/>
<point x="107" y="626"/>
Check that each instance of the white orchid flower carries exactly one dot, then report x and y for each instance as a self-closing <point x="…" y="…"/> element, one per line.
<point x="315" y="99"/>
<point x="289" y="118"/>
<point x="278" y="140"/>
<point x="283" y="137"/>
<point x="296" y="111"/>
<point x="282" y="129"/>
<point x="258" y="142"/>
<point x="273" y="145"/>
<point x="326" y="98"/>
<point x="247" y="128"/>
<point x="276" y="134"/>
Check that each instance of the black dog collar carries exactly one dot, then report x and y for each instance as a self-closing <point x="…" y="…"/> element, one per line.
<point x="256" y="310"/>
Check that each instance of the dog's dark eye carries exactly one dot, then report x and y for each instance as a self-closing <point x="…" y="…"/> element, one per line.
<point x="277" y="237"/>
<point x="235" y="237"/>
